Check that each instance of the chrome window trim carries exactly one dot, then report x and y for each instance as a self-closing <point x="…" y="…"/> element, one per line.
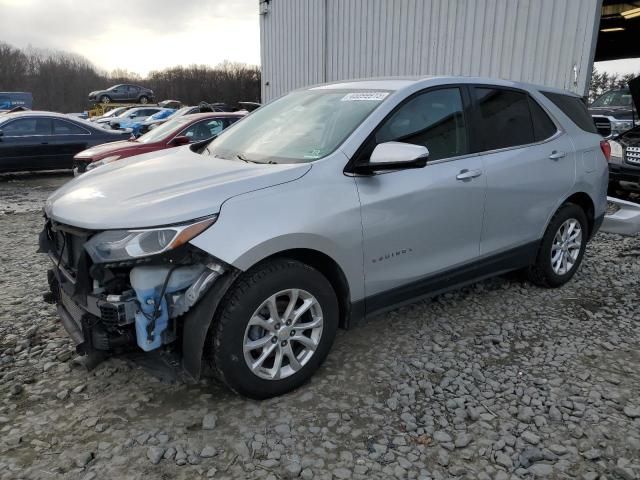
<point x="462" y="157"/>
<point x="52" y="134"/>
<point x="559" y="132"/>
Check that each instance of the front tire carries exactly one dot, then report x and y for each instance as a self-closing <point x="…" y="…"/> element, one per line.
<point x="105" y="99"/>
<point x="562" y="248"/>
<point x="274" y="329"/>
<point x="144" y="100"/>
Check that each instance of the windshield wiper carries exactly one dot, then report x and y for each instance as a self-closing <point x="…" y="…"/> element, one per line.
<point x="239" y="156"/>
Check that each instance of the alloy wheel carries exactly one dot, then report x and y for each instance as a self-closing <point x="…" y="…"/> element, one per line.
<point x="283" y="334"/>
<point x="566" y="247"/>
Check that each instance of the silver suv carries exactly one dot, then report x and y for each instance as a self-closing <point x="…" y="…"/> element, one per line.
<point x="242" y="257"/>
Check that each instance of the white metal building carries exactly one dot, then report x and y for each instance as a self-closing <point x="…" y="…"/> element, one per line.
<point x="548" y="42"/>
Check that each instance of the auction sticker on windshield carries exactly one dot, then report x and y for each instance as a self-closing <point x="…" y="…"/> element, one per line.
<point x="362" y="96"/>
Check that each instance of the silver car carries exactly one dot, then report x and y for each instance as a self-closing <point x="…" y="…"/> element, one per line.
<point x="243" y="257"/>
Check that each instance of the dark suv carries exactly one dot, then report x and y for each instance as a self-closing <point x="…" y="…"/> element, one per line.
<point x="613" y="112"/>
<point x="123" y="93"/>
<point x="624" y="165"/>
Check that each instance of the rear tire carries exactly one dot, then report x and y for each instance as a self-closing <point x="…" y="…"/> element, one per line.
<point x="274" y="329"/>
<point x="562" y="248"/>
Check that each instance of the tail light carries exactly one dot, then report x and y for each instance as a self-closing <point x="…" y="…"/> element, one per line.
<point x="606" y="149"/>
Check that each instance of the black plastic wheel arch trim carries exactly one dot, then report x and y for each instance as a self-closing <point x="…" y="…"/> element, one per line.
<point x="197" y="321"/>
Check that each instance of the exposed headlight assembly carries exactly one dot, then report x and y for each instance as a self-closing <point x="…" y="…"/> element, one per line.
<point x="121" y="245"/>
<point x="104" y="161"/>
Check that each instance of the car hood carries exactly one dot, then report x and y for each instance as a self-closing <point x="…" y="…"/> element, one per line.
<point x="630" y="138"/>
<point x="619" y="113"/>
<point x="160" y="188"/>
<point x="110" y="149"/>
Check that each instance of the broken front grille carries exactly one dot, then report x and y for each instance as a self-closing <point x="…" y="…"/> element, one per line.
<point x="68" y="248"/>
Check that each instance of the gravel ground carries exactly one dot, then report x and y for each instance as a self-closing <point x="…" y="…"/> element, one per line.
<point x="501" y="380"/>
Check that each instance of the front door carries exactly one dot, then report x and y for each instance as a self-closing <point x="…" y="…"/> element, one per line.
<point x="67" y="139"/>
<point x="119" y="93"/>
<point x="420" y="223"/>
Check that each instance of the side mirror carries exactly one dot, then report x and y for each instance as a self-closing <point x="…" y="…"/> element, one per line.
<point x="181" y="140"/>
<point x="395" y="156"/>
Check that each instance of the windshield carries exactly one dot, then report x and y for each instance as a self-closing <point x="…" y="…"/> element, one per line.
<point x="162" y="114"/>
<point x="300" y="127"/>
<point x="614" y="98"/>
<point x="181" y="111"/>
<point x="163" y="130"/>
<point x="114" y="112"/>
<point x="128" y="113"/>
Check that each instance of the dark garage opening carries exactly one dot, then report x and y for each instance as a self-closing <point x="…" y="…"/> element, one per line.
<point x="619" y="35"/>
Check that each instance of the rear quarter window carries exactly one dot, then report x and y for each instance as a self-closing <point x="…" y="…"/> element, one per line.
<point x="574" y="108"/>
<point x="543" y="126"/>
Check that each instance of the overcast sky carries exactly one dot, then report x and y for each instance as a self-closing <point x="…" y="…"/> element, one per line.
<point x="144" y="35"/>
<point x="137" y="35"/>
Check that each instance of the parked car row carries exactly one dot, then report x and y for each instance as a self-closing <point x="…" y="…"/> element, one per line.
<point x="179" y="131"/>
<point x="34" y="140"/>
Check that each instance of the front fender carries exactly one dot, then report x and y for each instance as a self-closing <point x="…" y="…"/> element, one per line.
<point x="319" y="211"/>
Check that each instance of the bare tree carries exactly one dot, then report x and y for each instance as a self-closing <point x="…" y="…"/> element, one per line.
<point x="601" y="82"/>
<point x="61" y="81"/>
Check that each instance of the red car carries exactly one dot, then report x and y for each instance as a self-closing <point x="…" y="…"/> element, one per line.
<point x="180" y="131"/>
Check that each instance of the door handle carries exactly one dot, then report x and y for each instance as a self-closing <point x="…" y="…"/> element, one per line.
<point x="556" y="155"/>
<point x="468" y="174"/>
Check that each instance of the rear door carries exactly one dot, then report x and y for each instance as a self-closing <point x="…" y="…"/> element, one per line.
<point x="421" y="223"/>
<point x="68" y="138"/>
<point x="132" y="93"/>
<point x="529" y="163"/>
<point x="25" y="144"/>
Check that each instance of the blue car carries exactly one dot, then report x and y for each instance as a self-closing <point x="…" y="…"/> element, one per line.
<point x="133" y="121"/>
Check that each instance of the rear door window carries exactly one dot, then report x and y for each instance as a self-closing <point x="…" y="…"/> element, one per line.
<point x="505" y="120"/>
<point x="62" y="127"/>
<point x="574" y="108"/>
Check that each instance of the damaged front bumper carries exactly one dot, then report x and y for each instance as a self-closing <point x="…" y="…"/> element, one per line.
<point x="164" y="303"/>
